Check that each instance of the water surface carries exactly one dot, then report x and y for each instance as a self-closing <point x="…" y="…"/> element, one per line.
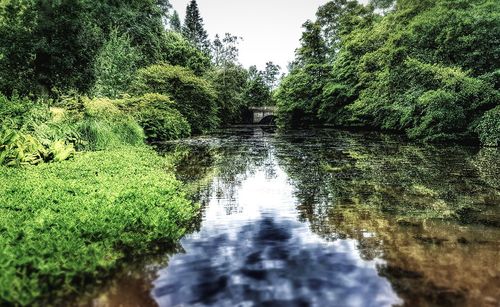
<point x="327" y="218"/>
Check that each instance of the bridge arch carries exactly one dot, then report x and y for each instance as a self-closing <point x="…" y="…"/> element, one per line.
<point x="263" y="115"/>
<point x="269" y="120"/>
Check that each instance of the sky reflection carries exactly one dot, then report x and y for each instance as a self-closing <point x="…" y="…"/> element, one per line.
<point x="251" y="250"/>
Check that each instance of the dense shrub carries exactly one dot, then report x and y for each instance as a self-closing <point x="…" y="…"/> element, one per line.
<point x="180" y="52"/>
<point x="104" y="126"/>
<point x="17" y="112"/>
<point x="489" y="128"/>
<point x="67" y="224"/>
<point x="194" y="97"/>
<point x="427" y="68"/>
<point x="158" y="117"/>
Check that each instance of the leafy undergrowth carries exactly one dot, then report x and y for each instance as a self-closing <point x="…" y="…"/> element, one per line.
<point x="65" y="224"/>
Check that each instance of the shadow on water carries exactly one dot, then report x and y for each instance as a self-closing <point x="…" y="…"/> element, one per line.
<point x="327" y="218"/>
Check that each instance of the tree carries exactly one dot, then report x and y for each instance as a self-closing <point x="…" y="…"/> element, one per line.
<point x="54" y="44"/>
<point x="194" y="97"/>
<point x="46" y="45"/>
<point x="338" y="18"/>
<point x="175" y="23"/>
<point x="383" y="5"/>
<point x="428" y="68"/>
<point x="193" y="28"/>
<point x="180" y="52"/>
<point x="271" y="74"/>
<point x="115" y="66"/>
<point x="230" y="83"/>
<point x="225" y="51"/>
<point x="313" y="49"/>
<point x="164" y="6"/>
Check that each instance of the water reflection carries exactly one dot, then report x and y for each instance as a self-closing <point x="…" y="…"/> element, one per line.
<point x="336" y="219"/>
<point x="251" y="249"/>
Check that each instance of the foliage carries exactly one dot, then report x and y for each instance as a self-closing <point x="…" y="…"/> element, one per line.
<point x="230" y="82"/>
<point x="181" y="52"/>
<point x="50" y="46"/>
<point x="158" y="117"/>
<point x="49" y="43"/>
<point x="104" y="126"/>
<point x="313" y="48"/>
<point x="489" y="128"/>
<point x="115" y="66"/>
<point x="67" y="224"/>
<point x="225" y="52"/>
<point x="426" y="68"/>
<point x="271" y="74"/>
<point x="258" y="91"/>
<point x="194" y="97"/>
<point x="193" y="28"/>
<point x="18" y="149"/>
<point x="175" y="22"/>
<point x="298" y="97"/>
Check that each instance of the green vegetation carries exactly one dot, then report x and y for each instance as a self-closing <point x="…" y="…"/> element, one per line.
<point x="194" y="96"/>
<point x="83" y="85"/>
<point x="68" y="223"/>
<point x="158" y="116"/>
<point x="428" y="69"/>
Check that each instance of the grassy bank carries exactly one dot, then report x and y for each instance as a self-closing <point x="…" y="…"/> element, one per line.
<point x="65" y="224"/>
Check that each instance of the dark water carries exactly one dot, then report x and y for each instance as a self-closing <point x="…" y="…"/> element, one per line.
<point x="327" y="218"/>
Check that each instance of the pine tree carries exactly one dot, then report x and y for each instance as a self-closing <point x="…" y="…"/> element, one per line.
<point x="175" y="22"/>
<point x="193" y="28"/>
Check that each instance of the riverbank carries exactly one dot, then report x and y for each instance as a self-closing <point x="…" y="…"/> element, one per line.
<point x="66" y="224"/>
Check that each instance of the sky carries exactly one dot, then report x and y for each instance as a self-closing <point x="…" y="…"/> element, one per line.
<point x="271" y="29"/>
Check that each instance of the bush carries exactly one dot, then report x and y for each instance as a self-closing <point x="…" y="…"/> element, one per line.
<point x="441" y="119"/>
<point x="16" y="112"/>
<point x="105" y="126"/>
<point x="488" y="128"/>
<point x="18" y="149"/>
<point x="157" y="116"/>
<point x="67" y="224"/>
<point x="178" y="51"/>
<point x="194" y="97"/>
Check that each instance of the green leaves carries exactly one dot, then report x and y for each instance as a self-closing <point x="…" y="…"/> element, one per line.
<point x="64" y="224"/>
<point x="194" y="97"/>
<point x="426" y="68"/>
<point x="18" y="149"/>
<point x="158" y="117"/>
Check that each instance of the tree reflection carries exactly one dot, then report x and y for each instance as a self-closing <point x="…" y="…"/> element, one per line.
<point x="431" y="212"/>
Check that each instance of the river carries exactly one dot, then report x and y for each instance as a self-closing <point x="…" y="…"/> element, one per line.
<point x="326" y="218"/>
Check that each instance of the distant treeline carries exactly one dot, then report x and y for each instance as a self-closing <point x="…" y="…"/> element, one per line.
<point x="51" y="49"/>
<point x="427" y="68"/>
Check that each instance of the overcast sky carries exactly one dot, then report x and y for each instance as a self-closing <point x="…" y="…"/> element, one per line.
<point x="271" y="29"/>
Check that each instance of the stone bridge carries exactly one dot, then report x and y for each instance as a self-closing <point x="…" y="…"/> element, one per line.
<point x="265" y="115"/>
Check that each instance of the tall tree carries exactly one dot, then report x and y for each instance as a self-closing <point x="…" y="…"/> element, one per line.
<point x="338" y="18"/>
<point x="313" y="48"/>
<point x="175" y="22"/>
<point x="164" y="6"/>
<point x="193" y="28"/>
<point x="271" y="74"/>
<point x="225" y="51"/>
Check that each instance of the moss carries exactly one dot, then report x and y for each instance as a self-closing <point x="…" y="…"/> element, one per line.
<point x="65" y="224"/>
